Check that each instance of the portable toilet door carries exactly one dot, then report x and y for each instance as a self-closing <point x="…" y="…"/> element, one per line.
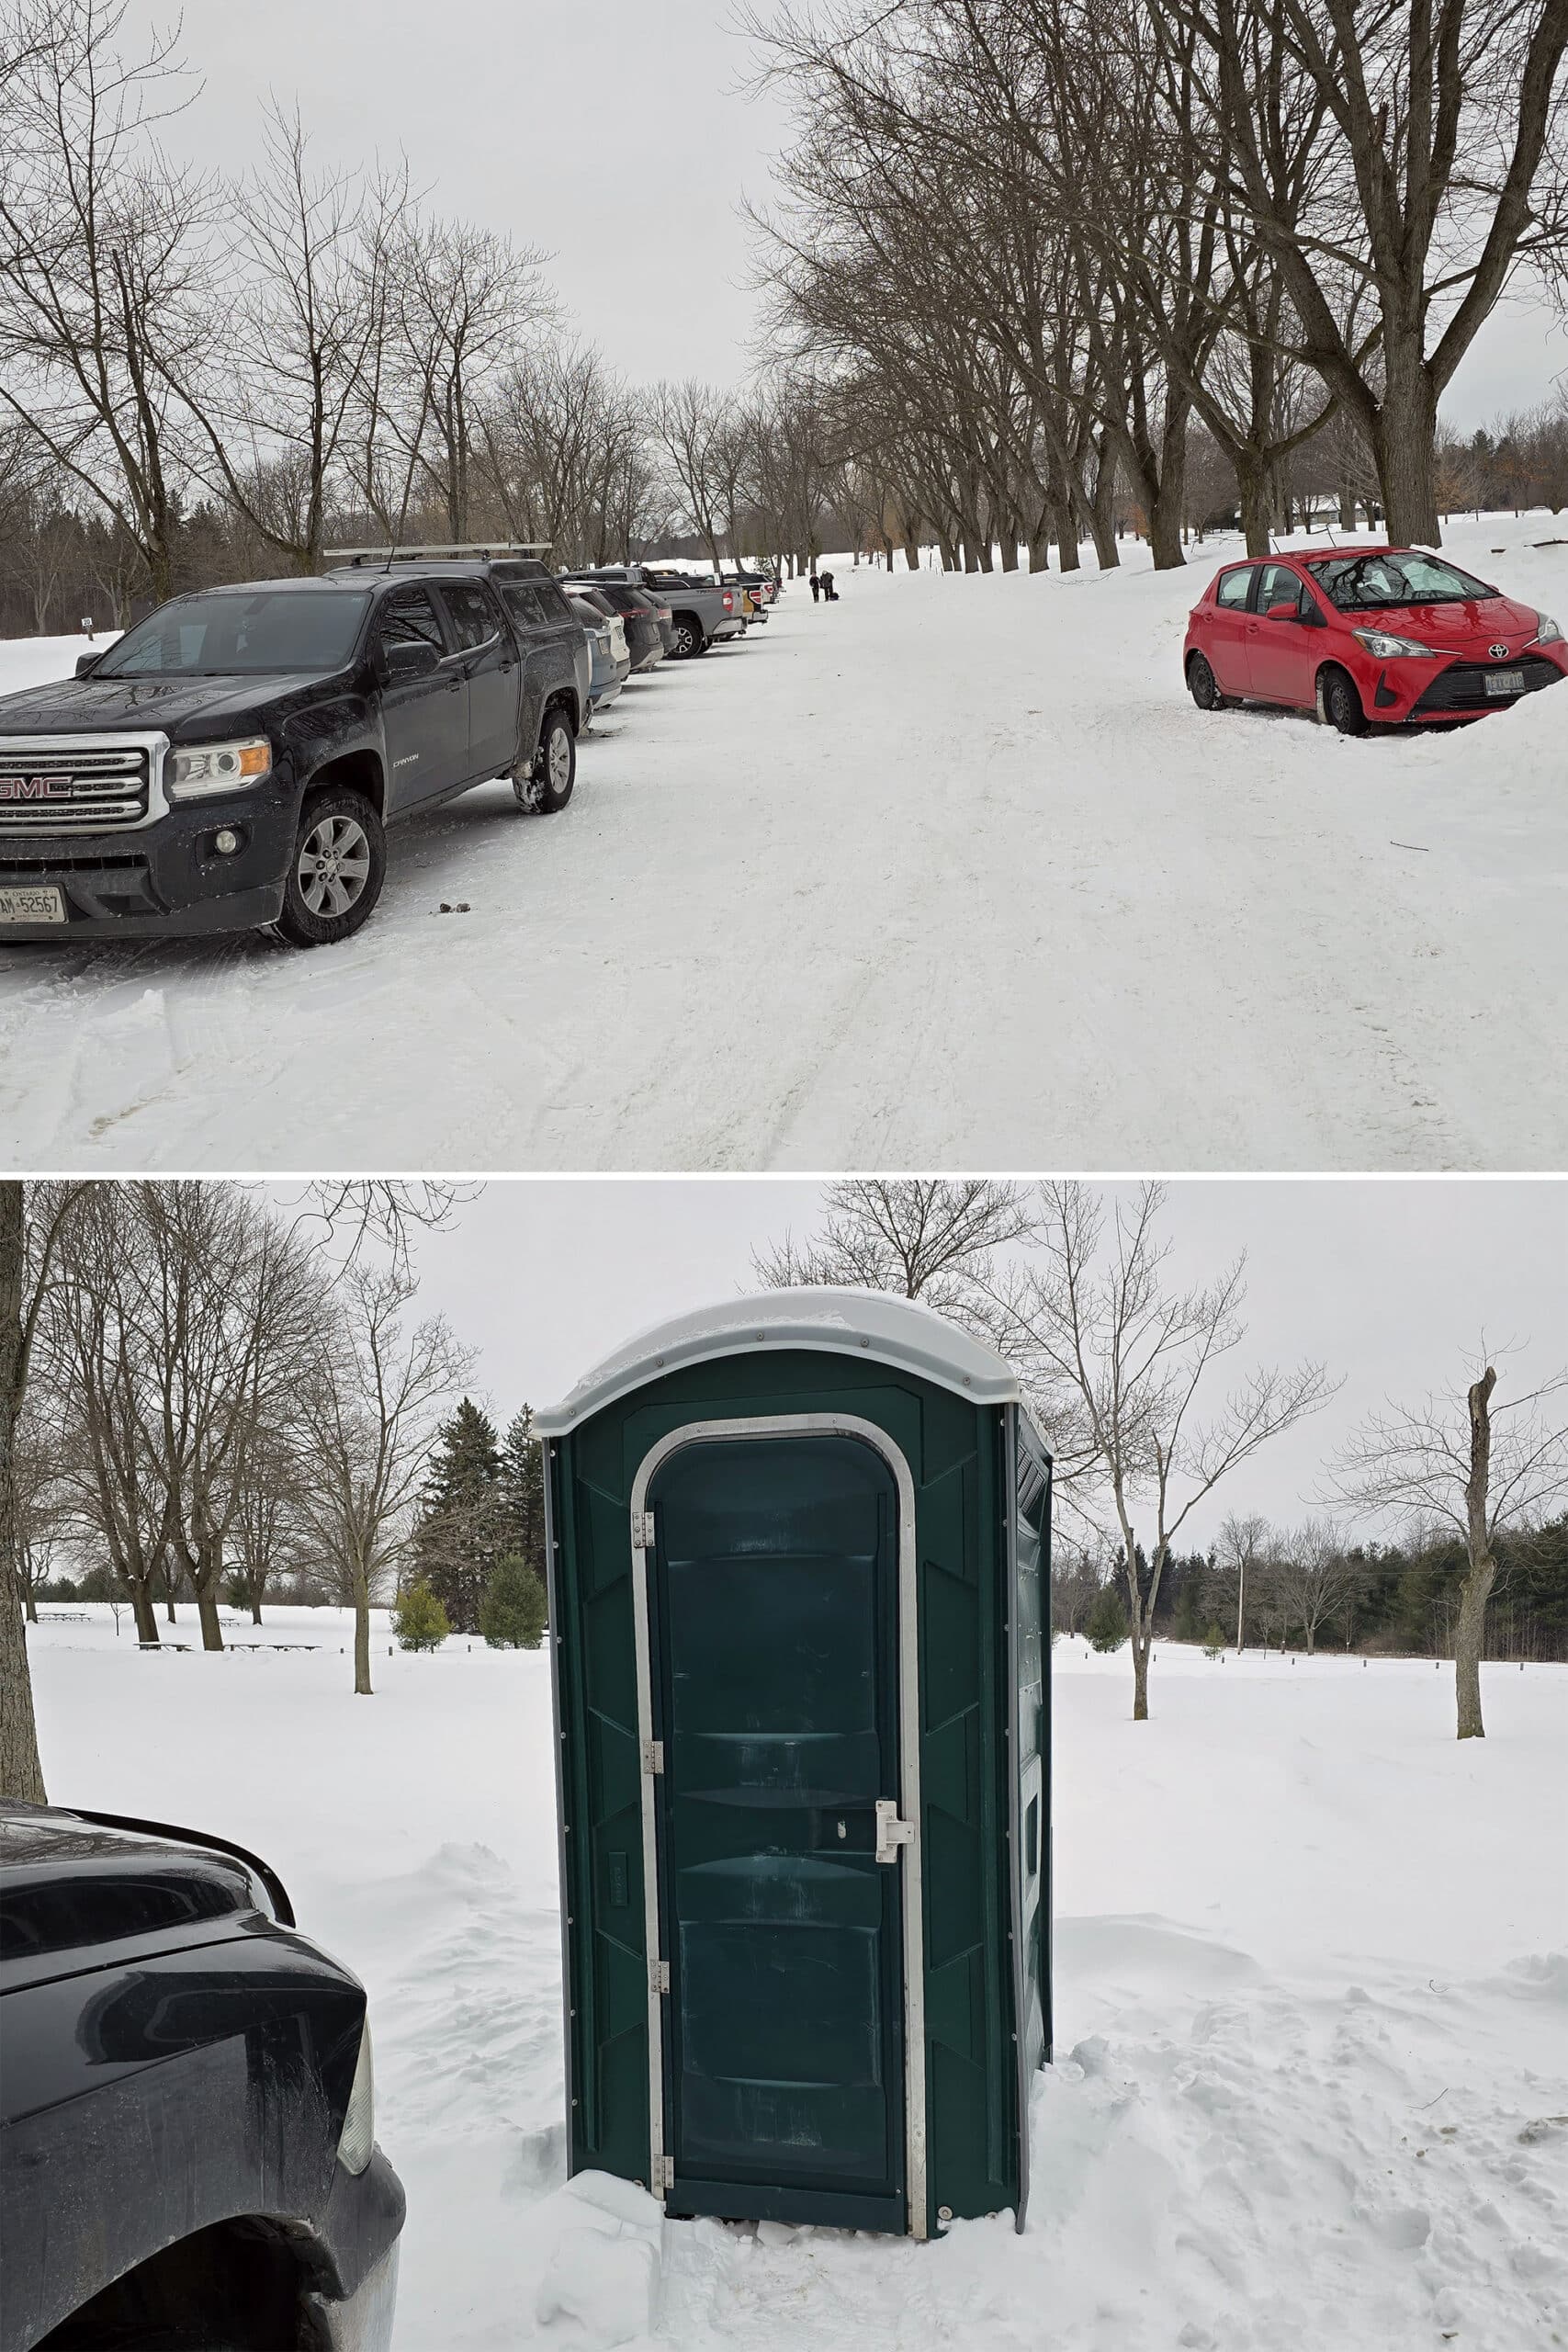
<point x="746" y="1704"/>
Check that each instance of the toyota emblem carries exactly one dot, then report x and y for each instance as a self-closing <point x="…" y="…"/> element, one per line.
<point x="1498" y="653"/>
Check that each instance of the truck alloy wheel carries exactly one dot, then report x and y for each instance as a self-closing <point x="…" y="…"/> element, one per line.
<point x="548" y="786"/>
<point x="334" y="879"/>
<point x="688" y="639"/>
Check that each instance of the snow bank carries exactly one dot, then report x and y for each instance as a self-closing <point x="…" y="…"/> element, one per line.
<point x="947" y="874"/>
<point x="40" y="661"/>
<point x="1312" y="1974"/>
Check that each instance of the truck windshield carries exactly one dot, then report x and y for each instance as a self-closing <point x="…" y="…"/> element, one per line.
<point x="238" y="636"/>
<point x="1362" y="583"/>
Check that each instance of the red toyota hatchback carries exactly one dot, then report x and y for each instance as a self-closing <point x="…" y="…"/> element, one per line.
<point x="1367" y="637"/>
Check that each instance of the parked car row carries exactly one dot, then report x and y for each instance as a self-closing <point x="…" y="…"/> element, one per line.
<point x="233" y="762"/>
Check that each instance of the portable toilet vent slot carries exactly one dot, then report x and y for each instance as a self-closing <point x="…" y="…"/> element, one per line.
<point x="799" y="1593"/>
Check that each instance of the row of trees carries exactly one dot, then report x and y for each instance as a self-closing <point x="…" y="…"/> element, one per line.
<point x="203" y="380"/>
<point x="1133" y="1378"/>
<point x="1036" y="242"/>
<point x="198" y="1388"/>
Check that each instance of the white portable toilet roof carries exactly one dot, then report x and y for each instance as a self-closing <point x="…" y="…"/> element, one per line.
<point x="869" y="1323"/>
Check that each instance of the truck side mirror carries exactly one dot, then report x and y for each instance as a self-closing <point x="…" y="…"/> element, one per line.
<point x="85" y="664"/>
<point x="408" y="658"/>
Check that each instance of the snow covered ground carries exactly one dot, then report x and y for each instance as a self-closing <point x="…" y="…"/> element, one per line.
<point x="1311" y="2003"/>
<point x="947" y="874"/>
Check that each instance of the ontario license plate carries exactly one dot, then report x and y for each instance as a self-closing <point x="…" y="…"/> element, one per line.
<point x="1505" y="681"/>
<point x="41" y="903"/>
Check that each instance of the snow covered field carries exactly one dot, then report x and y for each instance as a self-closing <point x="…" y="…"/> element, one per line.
<point x="947" y="874"/>
<point x="1311" y="2003"/>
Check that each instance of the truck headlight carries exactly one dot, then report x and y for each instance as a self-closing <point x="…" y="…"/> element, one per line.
<point x="359" y="2136"/>
<point x="195" y="771"/>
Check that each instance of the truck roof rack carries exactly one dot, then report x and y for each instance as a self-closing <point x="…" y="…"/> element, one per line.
<point x="457" y="547"/>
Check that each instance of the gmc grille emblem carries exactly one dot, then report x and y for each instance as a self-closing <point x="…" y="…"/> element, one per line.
<point x="37" y="787"/>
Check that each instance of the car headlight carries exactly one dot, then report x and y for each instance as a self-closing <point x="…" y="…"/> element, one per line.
<point x="358" y="2135"/>
<point x="1546" y="631"/>
<point x="195" y="771"/>
<point x="1384" y="648"/>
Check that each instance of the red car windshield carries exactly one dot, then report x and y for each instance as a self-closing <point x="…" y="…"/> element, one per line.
<point x="1367" y="583"/>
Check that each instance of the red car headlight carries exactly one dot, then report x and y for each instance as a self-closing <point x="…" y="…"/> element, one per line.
<point x="1384" y="648"/>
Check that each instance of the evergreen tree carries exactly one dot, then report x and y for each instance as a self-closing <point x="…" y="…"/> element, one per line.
<point x="419" y="1620"/>
<point x="1107" y="1626"/>
<point x="462" y="1530"/>
<point x="512" y="1615"/>
<point x="523" y="1492"/>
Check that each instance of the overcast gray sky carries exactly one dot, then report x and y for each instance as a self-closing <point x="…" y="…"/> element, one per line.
<point x="615" y="137"/>
<point x="1386" y="1282"/>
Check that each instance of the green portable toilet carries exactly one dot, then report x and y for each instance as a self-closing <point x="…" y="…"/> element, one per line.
<point x="799" y="1579"/>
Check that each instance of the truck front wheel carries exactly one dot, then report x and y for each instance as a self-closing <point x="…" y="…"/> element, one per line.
<point x="336" y="872"/>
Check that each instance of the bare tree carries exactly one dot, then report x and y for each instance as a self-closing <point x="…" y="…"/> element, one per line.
<point x="103" y="301"/>
<point x="305" y="312"/>
<point x="918" y="1237"/>
<point x="1313" y="1575"/>
<point x="34" y="1220"/>
<point x="369" y="1409"/>
<point x="1244" y="1538"/>
<point x="1123" y="1366"/>
<point x="1439" y="131"/>
<point x="691" y="422"/>
<point x="1455" y="1459"/>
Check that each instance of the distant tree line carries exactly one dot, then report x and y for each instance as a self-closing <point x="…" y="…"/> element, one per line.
<point x="1309" y="1588"/>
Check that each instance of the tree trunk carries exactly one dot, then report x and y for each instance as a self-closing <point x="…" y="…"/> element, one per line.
<point x="20" y="1772"/>
<point x="207" y="1611"/>
<point x="142" y="1611"/>
<point x="1065" y="531"/>
<point x="1405" y="448"/>
<point x="362" y="1642"/>
<point x="1470" y="1627"/>
<point x="1165" y="522"/>
<point x="255" y="1606"/>
<point x="1102" y="518"/>
<point x="912" y="554"/>
<point x="1140" y="1677"/>
<point x="1252" y="482"/>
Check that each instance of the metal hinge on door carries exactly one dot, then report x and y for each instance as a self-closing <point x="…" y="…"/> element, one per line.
<point x="653" y="1755"/>
<point x="891" y="1832"/>
<point x="659" y="1975"/>
<point x="663" y="2175"/>
<point x="642" y="1530"/>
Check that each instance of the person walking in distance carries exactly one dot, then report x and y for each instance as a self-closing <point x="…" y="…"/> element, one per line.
<point x="829" y="590"/>
<point x="815" y="583"/>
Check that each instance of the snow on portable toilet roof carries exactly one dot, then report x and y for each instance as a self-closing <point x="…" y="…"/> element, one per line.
<point x="850" y="1322"/>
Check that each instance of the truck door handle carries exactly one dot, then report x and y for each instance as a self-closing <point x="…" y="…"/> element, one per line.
<point x="891" y="1832"/>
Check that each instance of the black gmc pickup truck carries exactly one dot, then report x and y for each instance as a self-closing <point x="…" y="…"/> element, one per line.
<point x="187" y="2149"/>
<point x="232" y="762"/>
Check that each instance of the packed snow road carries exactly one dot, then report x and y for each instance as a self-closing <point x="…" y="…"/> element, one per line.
<point x="947" y="874"/>
<point x="1310" y="2090"/>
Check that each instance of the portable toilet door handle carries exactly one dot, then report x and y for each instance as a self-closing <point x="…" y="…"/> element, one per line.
<point x="891" y="1832"/>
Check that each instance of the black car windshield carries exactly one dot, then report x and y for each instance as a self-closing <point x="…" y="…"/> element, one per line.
<point x="238" y="635"/>
<point x="1364" y="583"/>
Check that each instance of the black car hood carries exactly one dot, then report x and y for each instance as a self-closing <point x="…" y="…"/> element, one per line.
<point x="180" y="707"/>
<point x="73" y="1886"/>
